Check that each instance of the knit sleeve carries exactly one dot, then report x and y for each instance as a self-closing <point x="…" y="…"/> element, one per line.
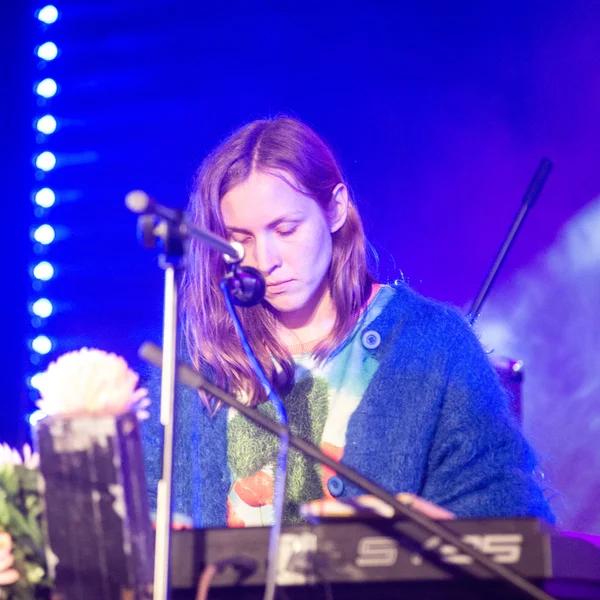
<point x="200" y="480"/>
<point x="183" y="461"/>
<point x="479" y="465"/>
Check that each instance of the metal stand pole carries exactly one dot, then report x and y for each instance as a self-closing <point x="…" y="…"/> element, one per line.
<point x="169" y="228"/>
<point x="531" y="195"/>
<point x="162" y="553"/>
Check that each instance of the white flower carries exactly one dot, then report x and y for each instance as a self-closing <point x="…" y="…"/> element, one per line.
<point x="10" y="456"/>
<point x="91" y="382"/>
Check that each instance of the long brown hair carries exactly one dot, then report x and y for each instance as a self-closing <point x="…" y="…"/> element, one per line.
<point x="286" y="145"/>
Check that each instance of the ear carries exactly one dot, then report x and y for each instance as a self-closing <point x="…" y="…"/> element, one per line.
<point x="338" y="208"/>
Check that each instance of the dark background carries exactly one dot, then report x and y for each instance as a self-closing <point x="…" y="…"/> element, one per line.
<point x="440" y="114"/>
<point x="16" y="173"/>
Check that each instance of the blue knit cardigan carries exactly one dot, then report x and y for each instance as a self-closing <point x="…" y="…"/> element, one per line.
<point x="434" y="421"/>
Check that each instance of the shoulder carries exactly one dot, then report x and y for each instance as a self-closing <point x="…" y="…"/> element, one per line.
<point x="430" y="340"/>
<point x="409" y="314"/>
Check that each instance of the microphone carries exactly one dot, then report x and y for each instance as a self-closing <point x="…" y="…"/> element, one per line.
<point x="246" y="285"/>
<point x="141" y="203"/>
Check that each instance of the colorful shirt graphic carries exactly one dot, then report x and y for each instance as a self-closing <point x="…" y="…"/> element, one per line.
<point x="319" y="407"/>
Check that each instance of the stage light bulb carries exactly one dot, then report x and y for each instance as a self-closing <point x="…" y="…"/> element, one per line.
<point x="46" y="124"/>
<point x="45" y="198"/>
<point x="41" y="344"/>
<point x="44" y="234"/>
<point x="46" y="161"/>
<point x="47" y="51"/>
<point x="44" y="271"/>
<point x="36" y="416"/>
<point x="46" y="88"/>
<point x="42" y="308"/>
<point x="36" y="380"/>
<point x="48" y="14"/>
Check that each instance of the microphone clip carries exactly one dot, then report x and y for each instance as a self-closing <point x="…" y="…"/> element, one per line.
<point x="171" y="237"/>
<point x="246" y="285"/>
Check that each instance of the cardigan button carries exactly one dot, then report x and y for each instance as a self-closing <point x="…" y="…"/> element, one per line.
<point x="371" y="339"/>
<point x="335" y="486"/>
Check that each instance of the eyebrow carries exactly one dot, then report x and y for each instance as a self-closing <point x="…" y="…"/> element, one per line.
<point x="294" y="217"/>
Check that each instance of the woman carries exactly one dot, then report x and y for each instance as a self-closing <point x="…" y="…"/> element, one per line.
<point x="392" y="384"/>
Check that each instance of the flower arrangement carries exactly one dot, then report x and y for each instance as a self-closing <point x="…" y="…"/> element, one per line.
<point x="87" y="382"/>
<point x="91" y="382"/>
<point x="24" y="564"/>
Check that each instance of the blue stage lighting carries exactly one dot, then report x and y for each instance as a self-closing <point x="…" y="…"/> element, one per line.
<point x="45" y="198"/>
<point x="44" y="271"/>
<point x="36" y="416"/>
<point x="46" y="124"/>
<point x="41" y="344"/>
<point x="46" y="88"/>
<point x="46" y="161"/>
<point x="44" y="234"/>
<point x="35" y="380"/>
<point x="42" y="308"/>
<point x="47" y="51"/>
<point x="48" y="14"/>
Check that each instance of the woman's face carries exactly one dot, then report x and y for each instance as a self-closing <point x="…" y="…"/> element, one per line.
<point x="286" y="235"/>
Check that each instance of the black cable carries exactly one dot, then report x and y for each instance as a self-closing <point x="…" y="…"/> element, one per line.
<point x="282" y="455"/>
<point x="531" y="195"/>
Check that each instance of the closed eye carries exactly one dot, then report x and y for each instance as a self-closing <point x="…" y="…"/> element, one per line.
<point x="243" y="241"/>
<point x="284" y="232"/>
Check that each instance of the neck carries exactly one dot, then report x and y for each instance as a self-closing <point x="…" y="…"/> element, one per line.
<point x="314" y="321"/>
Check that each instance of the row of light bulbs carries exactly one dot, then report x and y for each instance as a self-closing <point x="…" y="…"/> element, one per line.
<point x="43" y="234"/>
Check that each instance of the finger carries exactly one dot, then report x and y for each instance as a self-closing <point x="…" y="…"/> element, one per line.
<point x="325" y="508"/>
<point x="5" y="542"/>
<point x="8" y="577"/>
<point x="6" y="562"/>
<point x="433" y="511"/>
<point x="142" y="415"/>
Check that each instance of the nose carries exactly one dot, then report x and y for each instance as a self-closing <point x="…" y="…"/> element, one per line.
<point x="266" y="255"/>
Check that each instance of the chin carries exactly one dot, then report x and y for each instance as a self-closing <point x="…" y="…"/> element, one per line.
<point x="285" y="305"/>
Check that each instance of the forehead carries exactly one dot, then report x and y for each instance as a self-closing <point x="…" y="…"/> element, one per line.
<point x="263" y="198"/>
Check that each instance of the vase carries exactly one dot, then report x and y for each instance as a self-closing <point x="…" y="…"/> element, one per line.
<point x="96" y="506"/>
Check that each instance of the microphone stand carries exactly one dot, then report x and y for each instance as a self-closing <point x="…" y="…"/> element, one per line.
<point x="531" y="195"/>
<point x="188" y="376"/>
<point x="172" y="263"/>
<point x="166" y="226"/>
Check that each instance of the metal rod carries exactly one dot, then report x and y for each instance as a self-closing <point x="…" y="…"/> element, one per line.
<point x="234" y="251"/>
<point x="153" y="354"/>
<point x="142" y="203"/>
<point x="164" y="504"/>
<point x="531" y="195"/>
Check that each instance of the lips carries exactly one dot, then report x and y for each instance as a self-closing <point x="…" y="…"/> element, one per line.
<point x="277" y="285"/>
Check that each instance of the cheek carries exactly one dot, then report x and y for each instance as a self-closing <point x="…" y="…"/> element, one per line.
<point x="315" y="253"/>
<point x="324" y="243"/>
<point x="248" y="255"/>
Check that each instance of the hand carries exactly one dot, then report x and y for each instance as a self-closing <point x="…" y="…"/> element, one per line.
<point x="367" y="505"/>
<point x="7" y="574"/>
<point x="433" y="511"/>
